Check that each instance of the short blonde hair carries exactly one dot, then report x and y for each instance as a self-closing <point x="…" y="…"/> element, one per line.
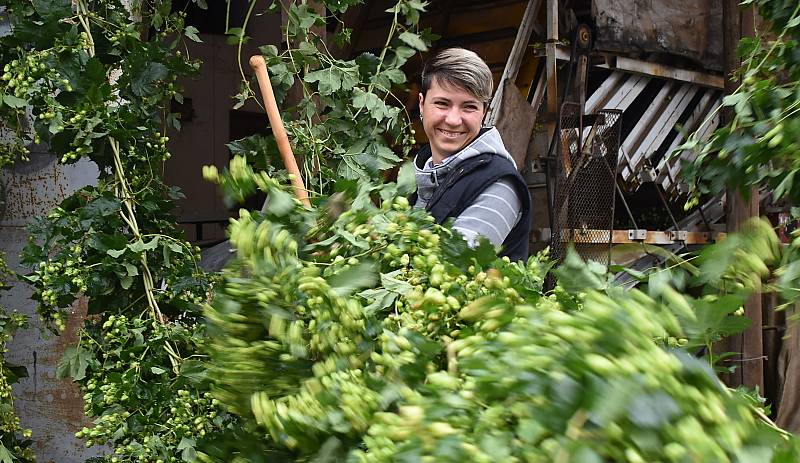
<point x="461" y="68"/>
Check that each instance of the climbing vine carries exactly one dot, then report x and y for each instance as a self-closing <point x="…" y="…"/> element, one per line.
<point x="759" y="146"/>
<point x="343" y="118"/>
<point x="93" y="80"/>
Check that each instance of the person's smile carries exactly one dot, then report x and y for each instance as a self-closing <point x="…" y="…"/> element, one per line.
<point x="451" y="117"/>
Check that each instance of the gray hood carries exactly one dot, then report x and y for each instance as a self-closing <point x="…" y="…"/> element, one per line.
<point x="429" y="177"/>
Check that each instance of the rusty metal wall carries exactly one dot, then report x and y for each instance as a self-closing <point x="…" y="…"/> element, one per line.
<point x="50" y="407"/>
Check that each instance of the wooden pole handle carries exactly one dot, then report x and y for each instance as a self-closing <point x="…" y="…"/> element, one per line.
<point x="260" y="68"/>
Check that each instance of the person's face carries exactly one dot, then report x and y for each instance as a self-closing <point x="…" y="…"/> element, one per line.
<point x="451" y="117"/>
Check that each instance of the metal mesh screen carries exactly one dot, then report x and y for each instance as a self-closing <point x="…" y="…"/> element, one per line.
<point x="584" y="187"/>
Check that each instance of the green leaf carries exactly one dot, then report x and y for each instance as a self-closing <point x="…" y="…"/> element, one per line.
<point x="280" y="203"/>
<point x="329" y="81"/>
<point x="74" y="363"/>
<point x="105" y="241"/>
<point x="131" y="269"/>
<point x="652" y="410"/>
<point x="236" y="35"/>
<point x="353" y="278"/>
<point x="785" y="185"/>
<point x="188" y="453"/>
<point x="413" y="40"/>
<point x="755" y="454"/>
<point x="116" y="252"/>
<point x="101" y="207"/>
<point x="576" y="276"/>
<point x="406" y="180"/>
<point x="14" y="102"/>
<point x="56" y="124"/>
<point x="140" y="246"/>
<point x="329" y="452"/>
<point x="158" y="371"/>
<point x="194" y="371"/>
<point x="5" y="455"/>
<point x="53" y="8"/>
<point x="191" y="33"/>
<point x="349" y="77"/>
<point x="362" y="99"/>
<point x="144" y="83"/>
<point x="396" y="76"/>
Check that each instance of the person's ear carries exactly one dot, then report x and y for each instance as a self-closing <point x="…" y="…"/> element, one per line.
<point x="421" y="101"/>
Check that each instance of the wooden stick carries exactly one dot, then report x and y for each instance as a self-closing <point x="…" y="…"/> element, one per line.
<point x="260" y="68"/>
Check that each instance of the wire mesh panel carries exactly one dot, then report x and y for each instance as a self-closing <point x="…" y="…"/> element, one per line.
<point x="583" y="204"/>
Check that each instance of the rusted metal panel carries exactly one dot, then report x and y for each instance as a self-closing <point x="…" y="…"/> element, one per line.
<point x="50" y="407"/>
<point x="32" y="188"/>
<point x="687" y="28"/>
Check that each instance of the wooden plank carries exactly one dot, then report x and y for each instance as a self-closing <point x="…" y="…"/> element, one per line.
<point x="628" y="92"/>
<point x="661" y="128"/>
<point x="645" y="124"/>
<point x="655" y="237"/>
<point x="675" y="167"/>
<point x="552" y="71"/>
<point x="698" y="115"/>
<point x="538" y="92"/>
<point x="668" y="72"/>
<point x="624" y="96"/>
<point x="603" y="93"/>
<point x="651" y="69"/>
<point x="514" y="59"/>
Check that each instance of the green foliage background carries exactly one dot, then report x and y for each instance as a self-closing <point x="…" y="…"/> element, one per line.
<point x="371" y="335"/>
<point x="759" y="148"/>
<point x="343" y="119"/>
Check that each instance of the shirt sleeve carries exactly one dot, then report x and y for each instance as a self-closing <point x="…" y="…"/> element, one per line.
<point x="493" y="214"/>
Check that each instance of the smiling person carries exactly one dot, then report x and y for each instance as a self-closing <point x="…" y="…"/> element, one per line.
<point x="465" y="172"/>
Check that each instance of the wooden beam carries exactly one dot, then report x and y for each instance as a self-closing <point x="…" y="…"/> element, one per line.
<point x="514" y="59"/>
<point x="655" y="237"/>
<point x="750" y="371"/>
<point x="552" y="71"/>
<point x="660" y="70"/>
<point x="648" y="68"/>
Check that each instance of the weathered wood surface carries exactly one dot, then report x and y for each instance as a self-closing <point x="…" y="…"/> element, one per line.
<point x="688" y="28"/>
<point x="516" y="119"/>
<point x="787" y="401"/>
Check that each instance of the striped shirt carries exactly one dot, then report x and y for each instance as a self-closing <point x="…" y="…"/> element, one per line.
<point x="493" y="214"/>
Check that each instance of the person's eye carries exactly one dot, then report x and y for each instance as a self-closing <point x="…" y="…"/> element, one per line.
<point x="440" y="104"/>
<point x="471" y="108"/>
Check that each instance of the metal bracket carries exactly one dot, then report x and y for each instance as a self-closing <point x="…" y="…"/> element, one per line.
<point x="679" y="235"/>
<point x="637" y="234"/>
